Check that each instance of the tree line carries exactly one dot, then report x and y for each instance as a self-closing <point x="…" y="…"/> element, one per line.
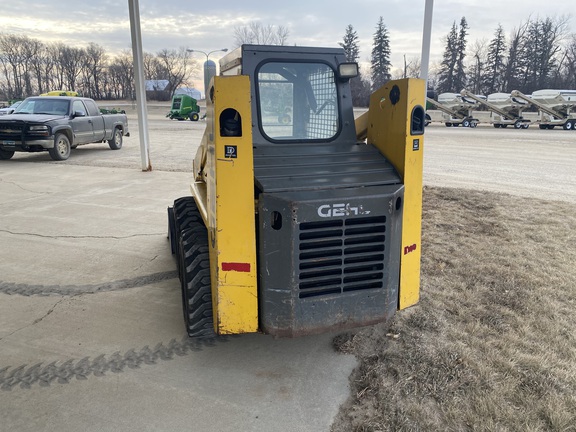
<point x="540" y="53"/>
<point x="30" y="67"/>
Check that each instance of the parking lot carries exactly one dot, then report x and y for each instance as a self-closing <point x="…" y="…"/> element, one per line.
<point x="91" y="332"/>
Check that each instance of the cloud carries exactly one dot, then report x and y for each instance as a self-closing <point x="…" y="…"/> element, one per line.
<point x="208" y="25"/>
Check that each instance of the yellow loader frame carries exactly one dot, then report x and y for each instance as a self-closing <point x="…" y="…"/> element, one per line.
<point x="224" y="182"/>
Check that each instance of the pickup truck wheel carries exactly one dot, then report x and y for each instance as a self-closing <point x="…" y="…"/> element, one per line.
<point x="116" y="142"/>
<point x="196" y="289"/>
<point x="61" y="149"/>
<point x="6" y="154"/>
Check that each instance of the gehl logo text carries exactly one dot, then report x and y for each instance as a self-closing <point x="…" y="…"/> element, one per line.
<point x="335" y="210"/>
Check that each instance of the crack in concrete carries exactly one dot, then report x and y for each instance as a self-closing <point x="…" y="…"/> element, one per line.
<point x="79" y="236"/>
<point x="23" y="188"/>
<point x="145" y="263"/>
<point x="36" y="321"/>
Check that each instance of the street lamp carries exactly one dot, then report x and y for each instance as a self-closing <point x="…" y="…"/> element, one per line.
<point x="209" y="67"/>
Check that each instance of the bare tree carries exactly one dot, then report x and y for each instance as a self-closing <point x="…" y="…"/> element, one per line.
<point x="71" y="60"/>
<point x="12" y="59"/>
<point x="260" y="34"/>
<point x="121" y="77"/>
<point x="553" y="32"/>
<point x="92" y="70"/>
<point x="479" y="53"/>
<point x="412" y="67"/>
<point x="534" y="53"/>
<point x="569" y="64"/>
<point x="152" y="67"/>
<point x="175" y="66"/>
<point x="41" y="65"/>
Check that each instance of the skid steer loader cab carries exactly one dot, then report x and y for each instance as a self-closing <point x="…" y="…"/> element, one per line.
<point x="305" y="226"/>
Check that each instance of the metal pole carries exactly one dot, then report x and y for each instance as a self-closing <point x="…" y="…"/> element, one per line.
<point x="139" y="83"/>
<point x="426" y="36"/>
<point x="208" y="72"/>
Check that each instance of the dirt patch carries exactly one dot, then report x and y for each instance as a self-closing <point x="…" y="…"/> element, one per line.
<point x="491" y="344"/>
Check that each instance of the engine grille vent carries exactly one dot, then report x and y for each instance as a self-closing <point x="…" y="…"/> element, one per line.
<point x="341" y="255"/>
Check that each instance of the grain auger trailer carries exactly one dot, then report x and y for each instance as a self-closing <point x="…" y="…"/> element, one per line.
<point x="504" y="109"/>
<point x="456" y="109"/>
<point x="555" y="107"/>
<point x="301" y="219"/>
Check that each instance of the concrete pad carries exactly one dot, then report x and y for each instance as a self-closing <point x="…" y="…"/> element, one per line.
<point x="525" y="162"/>
<point x="91" y="329"/>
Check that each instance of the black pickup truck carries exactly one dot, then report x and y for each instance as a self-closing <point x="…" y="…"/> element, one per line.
<point x="57" y="125"/>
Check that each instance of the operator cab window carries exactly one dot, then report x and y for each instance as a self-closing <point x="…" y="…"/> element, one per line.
<point x="297" y="101"/>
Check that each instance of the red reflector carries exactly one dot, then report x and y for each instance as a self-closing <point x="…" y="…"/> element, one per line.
<point x="239" y="267"/>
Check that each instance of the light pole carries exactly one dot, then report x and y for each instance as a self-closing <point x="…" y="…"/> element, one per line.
<point x="209" y="67"/>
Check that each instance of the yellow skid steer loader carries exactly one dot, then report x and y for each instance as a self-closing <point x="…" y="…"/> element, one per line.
<point x="301" y="218"/>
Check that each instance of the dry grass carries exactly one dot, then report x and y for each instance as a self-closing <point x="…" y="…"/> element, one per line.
<point x="492" y="344"/>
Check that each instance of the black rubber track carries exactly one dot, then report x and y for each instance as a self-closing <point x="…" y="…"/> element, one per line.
<point x="185" y="215"/>
<point x="195" y="281"/>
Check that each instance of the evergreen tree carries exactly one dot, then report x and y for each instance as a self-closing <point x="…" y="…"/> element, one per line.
<point x="530" y="49"/>
<point x="359" y="87"/>
<point x="452" y="74"/>
<point x="515" y="60"/>
<point x="449" y="59"/>
<point x="460" y="69"/>
<point x="350" y="44"/>
<point x="493" y="76"/>
<point x="380" y="56"/>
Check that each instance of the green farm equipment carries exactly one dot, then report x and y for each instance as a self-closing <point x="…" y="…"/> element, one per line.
<point x="184" y="107"/>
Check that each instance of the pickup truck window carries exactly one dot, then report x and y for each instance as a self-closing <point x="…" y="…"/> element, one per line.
<point x="92" y="108"/>
<point x="79" y="106"/>
<point x="43" y="105"/>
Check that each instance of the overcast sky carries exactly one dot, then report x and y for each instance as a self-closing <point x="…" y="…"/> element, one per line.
<point x="209" y="25"/>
